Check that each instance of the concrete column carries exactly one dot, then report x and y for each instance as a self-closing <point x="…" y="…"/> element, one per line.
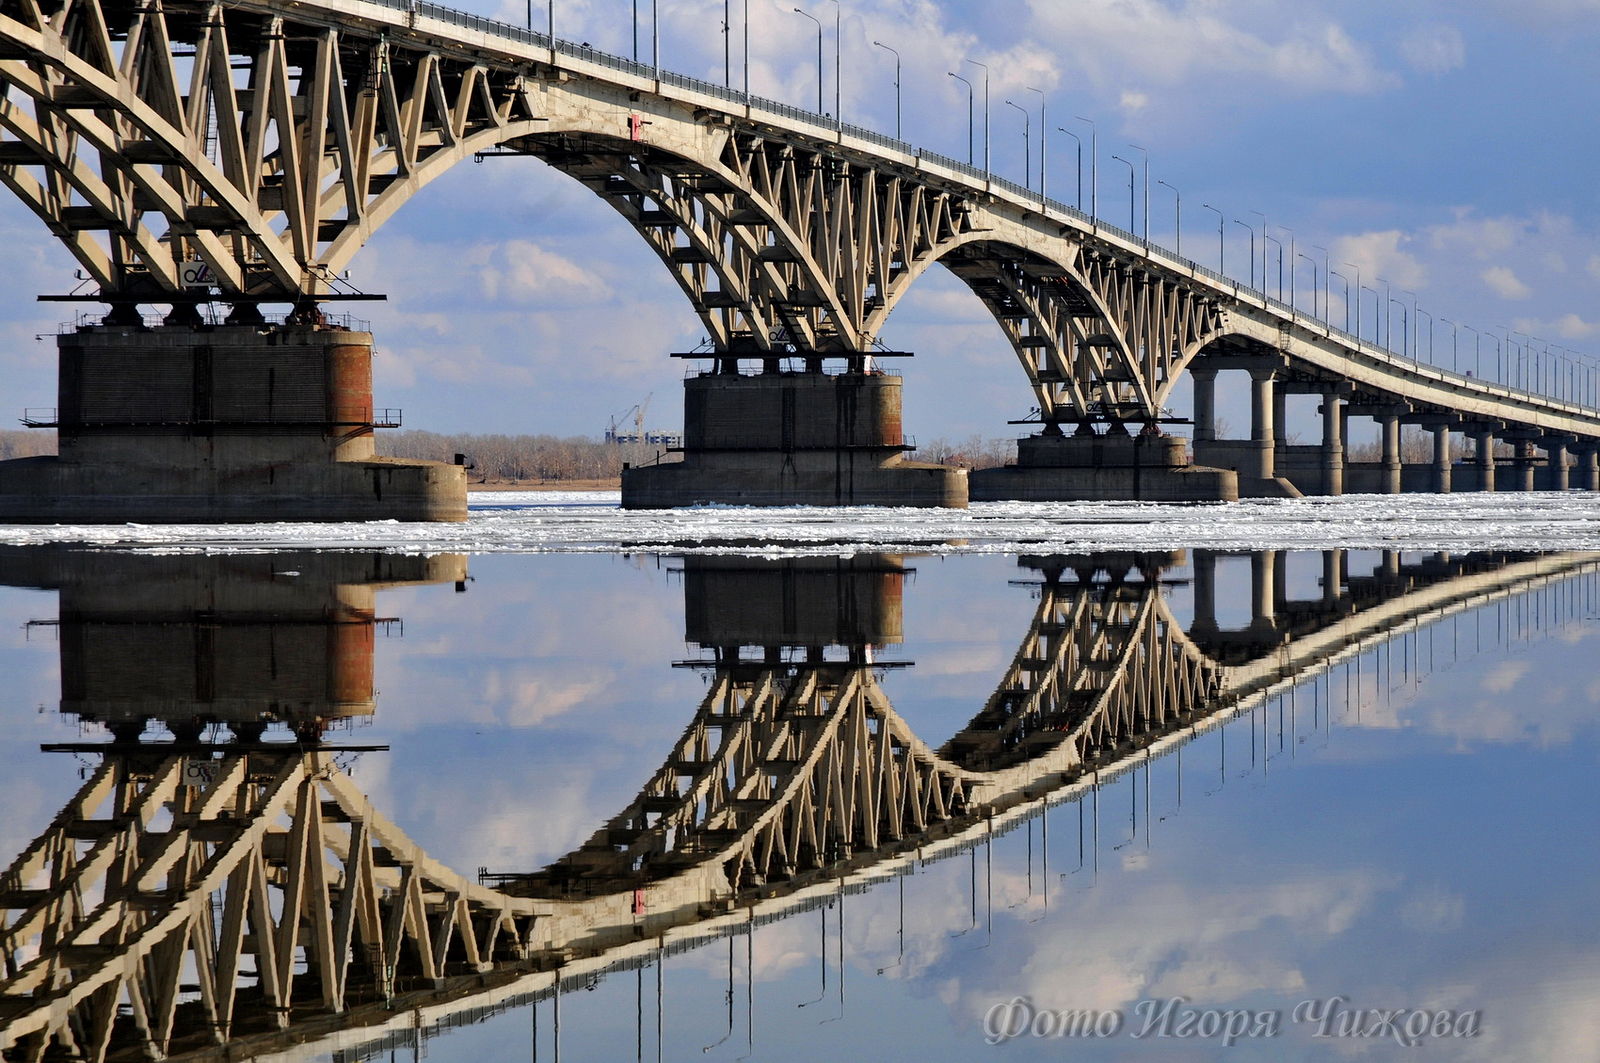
<point x="1485" y="442"/>
<point x="1441" y="459"/>
<point x="1205" y="403"/>
<point x="1263" y="428"/>
<point x="1332" y="444"/>
<point x="1555" y="448"/>
<point x="1390" y="423"/>
<point x="1589" y="464"/>
<point x="1263" y="590"/>
<point x="1205" y="592"/>
<point x="1280" y="419"/>
<point x="1332" y="577"/>
<point x="1525" y="464"/>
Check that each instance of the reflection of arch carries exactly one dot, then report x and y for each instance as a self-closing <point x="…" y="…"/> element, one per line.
<point x="186" y="896"/>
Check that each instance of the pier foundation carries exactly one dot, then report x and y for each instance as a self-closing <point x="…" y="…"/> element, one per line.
<point x="793" y="439"/>
<point x="181" y="423"/>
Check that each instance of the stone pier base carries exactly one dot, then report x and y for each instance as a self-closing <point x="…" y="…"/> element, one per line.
<point x="221" y="424"/>
<point x="1097" y="468"/>
<point x="793" y="439"/>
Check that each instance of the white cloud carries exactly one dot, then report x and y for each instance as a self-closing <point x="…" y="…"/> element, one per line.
<point x="1504" y="282"/>
<point x="1434" y="49"/>
<point x="1382" y="254"/>
<point x="520" y="271"/>
<point x="1203" y="40"/>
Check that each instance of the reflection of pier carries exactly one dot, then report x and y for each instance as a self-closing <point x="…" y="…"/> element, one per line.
<point x="264" y="898"/>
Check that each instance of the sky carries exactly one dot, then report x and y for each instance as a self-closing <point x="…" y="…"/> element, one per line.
<point x="1424" y="845"/>
<point x="1443" y="146"/>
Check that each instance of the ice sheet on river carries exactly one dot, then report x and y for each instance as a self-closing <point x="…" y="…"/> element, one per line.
<point x="592" y="522"/>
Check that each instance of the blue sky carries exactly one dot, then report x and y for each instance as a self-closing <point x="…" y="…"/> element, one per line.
<point x="1443" y="146"/>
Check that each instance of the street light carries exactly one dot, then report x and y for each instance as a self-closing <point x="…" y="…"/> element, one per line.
<point x="985" y="69"/>
<point x="1264" y="238"/>
<point x="1132" y="203"/>
<point x="1044" y="145"/>
<point x="1417" y="346"/>
<point x="818" y="21"/>
<point x="1346" y="280"/>
<point x="1263" y="218"/>
<point x="1177" y="199"/>
<point x="1292" y="265"/>
<point x="1222" y="248"/>
<point x="1455" y="354"/>
<point x="1079" y="141"/>
<point x="1251" y="230"/>
<point x="838" y="67"/>
<point x="1146" y="155"/>
<point x="1027" y="147"/>
<point x="1357" y="270"/>
<point x="1326" y="311"/>
<point x="1315" y="284"/>
<point x="1094" y="167"/>
<point x="1477" y="350"/>
<point x="896" y="54"/>
<point x="968" y="84"/>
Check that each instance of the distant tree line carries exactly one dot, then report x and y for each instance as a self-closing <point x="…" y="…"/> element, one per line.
<point x="26" y="443"/>
<point x="974" y="452"/>
<point x="518" y="458"/>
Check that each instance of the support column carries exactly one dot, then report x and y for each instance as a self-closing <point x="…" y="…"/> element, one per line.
<point x="1525" y="468"/>
<point x="1205" y="403"/>
<point x="1557" y="477"/>
<point x="1332" y="443"/>
<point x="1263" y="427"/>
<point x="1390" y="423"/>
<point x="1280" y="418"/>
<point x="1205" y="592"/>
<point x="1441" y="458"/>
<point x="1332" y="577"/>
<point x="1589" y="464"/>
<point x="1485" y="445"/>
<point x="1263" y="591"/>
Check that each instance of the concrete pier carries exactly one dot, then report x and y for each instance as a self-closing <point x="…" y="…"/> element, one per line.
<point x="1113" y="466"/>
<point x="793" y="439"/>
<point x="183" y="423"/>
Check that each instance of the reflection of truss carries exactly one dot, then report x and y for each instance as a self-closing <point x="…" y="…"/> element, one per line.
<point x="189" y="896"/>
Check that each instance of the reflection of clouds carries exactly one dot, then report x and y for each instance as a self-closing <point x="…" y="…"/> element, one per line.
<point x="1505" y="675"/>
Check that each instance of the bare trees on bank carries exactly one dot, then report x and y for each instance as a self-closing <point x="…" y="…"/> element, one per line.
<point x="25" y="443"/>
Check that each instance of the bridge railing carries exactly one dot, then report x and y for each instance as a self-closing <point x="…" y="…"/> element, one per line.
<point x="829" y="127"/>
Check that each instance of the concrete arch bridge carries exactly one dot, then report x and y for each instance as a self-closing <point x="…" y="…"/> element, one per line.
<point x="190" y="153"/>
<point x="201" y="897"/>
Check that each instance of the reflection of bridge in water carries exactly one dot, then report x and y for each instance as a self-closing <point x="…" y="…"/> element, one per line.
<point x="217" y="889"/>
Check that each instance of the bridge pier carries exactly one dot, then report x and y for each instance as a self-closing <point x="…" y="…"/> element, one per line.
<point x="1557" y="476"/>
<point x="1589" y="464"/>
<point x="1104" y="466"/>
<point x="1332" y="442"/>
<point x="1441" y="458"/>
<point x="1389" y="425"/>
<point x="1524" y="465"/>
<point x="197" y="423"/>
<point x="793" y="439"/>
<point x="1483" y="442"/>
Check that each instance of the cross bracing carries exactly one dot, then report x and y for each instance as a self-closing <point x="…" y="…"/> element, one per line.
<point x="268" y="141"/>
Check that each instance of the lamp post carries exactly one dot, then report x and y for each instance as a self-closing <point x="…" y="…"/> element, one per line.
<point x="1477" y="350"/>
<point x="1146" y="156"/>
<point x="1267" y="237"/>
<point x="1222" y="248"/>
<point x="1405" y="324"/>
<point x="1263" y="218"/>
<point x="1315" y="284"/>
<point x="985" y="69"/>
<point x="818" y="21"/>
<point x="1292" y="266"/>
<point x="1346" y="280"/>
<point x="1327" y="312"/>
<point x="1415" y="340"/>
<point x="744" y="25"/>
<point x="896" y="54"/>
<point x="1417" y="346"/>
<point x="1455" y="353"/>
<point x="1388" y="318"/>
<point x="655" y="38"/>
<point x="1079" y="141"/>
<point x="1044" y="145"/>
<point x="635" y="31"/>
<point x="1177" y="213"/>
<point x="968" y="84"/>
<point x="727" y="43"/>
<point x="838" y="64"/>
<point x="1094" y="167"/>
<point x="1357" y="270"/>
<point x="1132" y="203"/>
<point x="1251" y="230"/>
<point x="1027" y="146"/>
<point x="1375" y="293"/>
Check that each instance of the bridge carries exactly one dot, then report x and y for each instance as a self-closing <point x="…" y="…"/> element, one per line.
<point x="216" y="159"/>
<point x="228" y="887"/>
